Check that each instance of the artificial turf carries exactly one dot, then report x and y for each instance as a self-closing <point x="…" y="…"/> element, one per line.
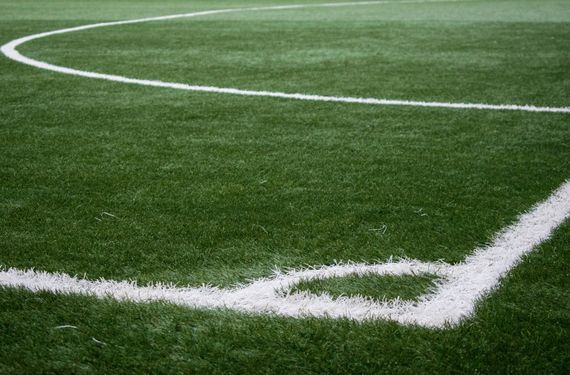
<point x="219" y="189"/>
<point x="370" y="286"/>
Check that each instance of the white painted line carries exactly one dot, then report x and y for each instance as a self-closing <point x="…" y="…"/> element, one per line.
<point x="10" y="51"/>
<point x="453" y="299"/>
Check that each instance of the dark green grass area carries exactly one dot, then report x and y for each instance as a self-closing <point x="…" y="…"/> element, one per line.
<point x="219" y="189"/>
<point x="522" y="329"/>
<point x="375" y="287"/>
<point x="126" y="182"/>
<point x="214" y="189"/>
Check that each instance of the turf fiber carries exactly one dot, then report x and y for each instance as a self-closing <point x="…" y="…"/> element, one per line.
<point x="220" y="189"/>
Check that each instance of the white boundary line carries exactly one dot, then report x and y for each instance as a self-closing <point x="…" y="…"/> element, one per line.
<point x="455" y="296"/>
<point x="461" y="286"/>
<point x="11" y="52"/>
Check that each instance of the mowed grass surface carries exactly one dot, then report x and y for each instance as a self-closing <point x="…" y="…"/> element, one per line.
<point x="220" y="189"/>
<point x="370" y="286"/>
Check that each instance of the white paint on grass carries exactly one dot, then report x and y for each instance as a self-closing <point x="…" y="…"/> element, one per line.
<point x="455" y="296"/>
<point x="10" y="51"/>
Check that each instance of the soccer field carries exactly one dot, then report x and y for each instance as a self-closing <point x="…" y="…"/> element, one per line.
<point x="275" y="186"/>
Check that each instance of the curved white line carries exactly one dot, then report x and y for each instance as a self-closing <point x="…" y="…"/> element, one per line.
<point x="9" y="49"/>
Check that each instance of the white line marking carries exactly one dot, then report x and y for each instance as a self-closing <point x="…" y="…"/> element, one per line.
<point x="10" y="51"/>
<point x="65" y="327"/>
<point x="454" y="298"/>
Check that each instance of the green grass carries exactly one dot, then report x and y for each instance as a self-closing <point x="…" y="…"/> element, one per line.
<point x="375" y="287"/>
<point x="221" y="189"/>
<point x="523" y="328"/>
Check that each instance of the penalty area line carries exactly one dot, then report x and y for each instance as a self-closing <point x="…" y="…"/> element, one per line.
<point x="455" y="297"/>
<point x="9" y="49"/>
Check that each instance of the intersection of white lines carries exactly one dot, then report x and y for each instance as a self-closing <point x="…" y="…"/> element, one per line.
<point x="453" y="298"/>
